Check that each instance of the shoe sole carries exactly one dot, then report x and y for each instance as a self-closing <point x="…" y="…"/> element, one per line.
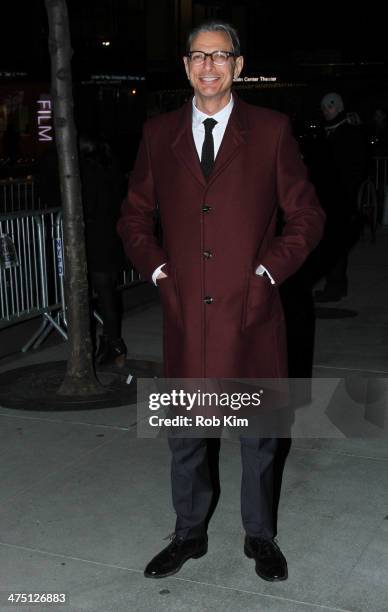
<point x="175" y="571"/>
<point x="251" y="556"/>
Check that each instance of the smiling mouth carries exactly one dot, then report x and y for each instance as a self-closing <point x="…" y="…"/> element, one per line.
<point x="209" y="79"/>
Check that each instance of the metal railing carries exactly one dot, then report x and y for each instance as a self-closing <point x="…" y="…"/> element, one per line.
<point x="25" y="289"/>
<point x="32" y="282"/>
<point x="18" y="195"/>
<point x="54" y="317"/>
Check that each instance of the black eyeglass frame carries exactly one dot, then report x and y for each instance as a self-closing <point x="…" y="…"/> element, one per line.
<point x="205" y="55"/>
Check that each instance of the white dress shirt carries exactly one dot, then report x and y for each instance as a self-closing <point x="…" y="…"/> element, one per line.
<point x="222" y="118"/>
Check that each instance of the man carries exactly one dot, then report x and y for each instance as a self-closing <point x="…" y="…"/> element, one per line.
<point x="338" y="169"/>
<point x="218" y="169"/>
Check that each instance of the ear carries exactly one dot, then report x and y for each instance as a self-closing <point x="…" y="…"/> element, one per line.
<point x="238" y="66"/>
<point x="187" y="66"/>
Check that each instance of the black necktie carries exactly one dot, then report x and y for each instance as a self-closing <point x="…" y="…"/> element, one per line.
<point x="207" y="157"/>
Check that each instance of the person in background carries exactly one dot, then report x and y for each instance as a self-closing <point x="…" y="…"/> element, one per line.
<point x="102" y="185"/>
<point x="337" y="168"/>
<point x="379" y="132"/>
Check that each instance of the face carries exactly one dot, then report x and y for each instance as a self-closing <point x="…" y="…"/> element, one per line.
<point x="329" y="112"/>
<point x="212" y="83"/>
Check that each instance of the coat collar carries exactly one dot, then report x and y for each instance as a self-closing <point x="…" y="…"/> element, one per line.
<point x="183" y="142"/>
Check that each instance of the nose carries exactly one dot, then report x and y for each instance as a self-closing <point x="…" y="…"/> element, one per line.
<point x="208" y="62"/>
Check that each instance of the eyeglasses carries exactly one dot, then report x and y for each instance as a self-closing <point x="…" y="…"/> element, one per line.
<point x="219" y="58"/>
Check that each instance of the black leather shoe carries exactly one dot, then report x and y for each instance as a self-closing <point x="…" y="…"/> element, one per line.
<point x="170" y="560"/>
<point x="111" y="352"/>
<point x="270" y="562"/>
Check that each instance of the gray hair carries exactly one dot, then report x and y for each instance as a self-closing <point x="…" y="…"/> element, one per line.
<point x="215" y="26"/>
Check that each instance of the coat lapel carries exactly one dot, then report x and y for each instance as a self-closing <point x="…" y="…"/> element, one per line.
<point x="183" y="144"/>
<point x="232" y="141"/>
<point x="184" y="148"/>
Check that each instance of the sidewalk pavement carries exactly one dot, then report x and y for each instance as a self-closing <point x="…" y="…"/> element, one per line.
<point x="86" y="504"/>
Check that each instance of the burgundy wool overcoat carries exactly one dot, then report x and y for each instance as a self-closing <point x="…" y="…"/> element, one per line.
<point x="220" y="318"/>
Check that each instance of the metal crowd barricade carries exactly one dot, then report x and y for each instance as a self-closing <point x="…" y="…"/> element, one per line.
<point x="129" y="277"/>
<point x="55" y="316"/>
<point x="32" y="284"/>
<point x="18" y="195"/>
<point x="28" y="285"/>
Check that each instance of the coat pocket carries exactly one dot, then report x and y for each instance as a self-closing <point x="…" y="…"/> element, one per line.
<point x="169" y="296"/>
<point x="259" y="300"/>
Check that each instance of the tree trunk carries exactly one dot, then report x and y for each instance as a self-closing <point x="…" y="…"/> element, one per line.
<point x="79" y="378"/>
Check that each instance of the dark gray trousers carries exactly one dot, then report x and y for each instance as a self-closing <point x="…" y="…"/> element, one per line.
<point x="192" y="488"/>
